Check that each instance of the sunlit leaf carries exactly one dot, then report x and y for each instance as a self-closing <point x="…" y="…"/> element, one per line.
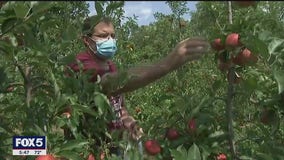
<point x="8" y="24"/>
<point x="279" y="76"/>
<point x="194" y="153"/>
<point x="70" y="33"/>
<point x="21" y="10"/>
<point x="72" y="144"/>
<point x="41" y="6"/>
<point x="70" y="155"/>
<point x="99" y="8"/>
<point x="113" y="6"/>
<point x="275" y="46"/>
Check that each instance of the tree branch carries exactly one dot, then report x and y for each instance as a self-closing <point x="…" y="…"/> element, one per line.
<point x="229" y="112"/>
<point x="26" y="74"/>
<point x="22" y="72"/>
<point x="40" y="85"/>
<point x="230" y="96"/>
<point x="230" y="15"/>
<point x="16" y="84"/>
<point x="28" y="85"/>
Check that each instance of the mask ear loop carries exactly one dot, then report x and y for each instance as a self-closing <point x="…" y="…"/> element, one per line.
<point x="88" y="45"/>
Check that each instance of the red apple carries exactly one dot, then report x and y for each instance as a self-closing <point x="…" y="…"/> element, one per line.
<point x="245" y="3"/>
<point x="172" y="134"/>
<point x="152" y="147"/>
<point x="192" y="125"/>
<point x="237" y="78"/>
<point x="46" y="157"/>
<point x="221" y="156"/>
<point x="233" y="40"/>
<point x="91" y="157"/>
<point x="102" y="155"/>
<point x="245" y="57"/>
<point x="217" y="45"/>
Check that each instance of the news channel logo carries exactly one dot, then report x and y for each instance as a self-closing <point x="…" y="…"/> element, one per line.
<point x="29" y="145"/>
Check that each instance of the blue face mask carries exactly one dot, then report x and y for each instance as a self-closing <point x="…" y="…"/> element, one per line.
<point x="106" y="48"/>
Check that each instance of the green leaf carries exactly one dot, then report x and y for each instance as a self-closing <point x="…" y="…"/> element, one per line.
<point x="99" y="8"/>
<point x="55" y="84"/>
<point x="275" y="46"/>
<point x="70" y="155"/>
<point x="179" y="154"/>
<point x="265" y="36"/>
<point x="72" y="144"/>
<point x="38" y="7"/>
<point x="3" y="75"/>
<point x="48" y="24"/>
<point x="6" y="48"/>
<point x="256" y="46"/>
<point x="194" y="153"/>
<point x="205" y="152"/>
<point x="101" y="102"/>
<point x="197" y="109"/>
<point x="8" y="24"/>
<point x="39" y="130"/>
<point x="70" y="33"/>
<point x="216" y="85"/>
<point x="85" y="109"/>
<point x="262" y="156"/>
<point x="21" y="10"/>
<point x="113" y="6"/>
<point x="250" y="83"/>
<point x="245" y="158"/>
<point x="30" y="39"/>
<point x="2" y="130"/>
<point x="279" y="76"/>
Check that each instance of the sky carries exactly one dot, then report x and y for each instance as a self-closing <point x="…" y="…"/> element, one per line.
<point x="146" y="9"/>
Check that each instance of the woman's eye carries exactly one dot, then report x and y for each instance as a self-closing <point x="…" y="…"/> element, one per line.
<point x="105" y="35"/>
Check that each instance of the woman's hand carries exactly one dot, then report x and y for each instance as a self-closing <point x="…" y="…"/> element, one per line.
<point x="192" y="48"/>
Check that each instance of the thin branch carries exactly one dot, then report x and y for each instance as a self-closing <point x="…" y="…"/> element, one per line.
<point x="22" y="72"/>
<point x="230" y="15"/>
<point x="40" y="85"/>
<point x="16" y="84"/>
<point x="27" y="82"/>
<point x="28" y="85"/>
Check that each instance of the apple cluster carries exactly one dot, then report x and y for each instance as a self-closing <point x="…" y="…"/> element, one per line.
<point x="153" y="147"/>
<point x="226" y="57"/>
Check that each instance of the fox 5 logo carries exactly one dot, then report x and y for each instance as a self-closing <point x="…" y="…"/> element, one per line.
<point x="29" y="142"/>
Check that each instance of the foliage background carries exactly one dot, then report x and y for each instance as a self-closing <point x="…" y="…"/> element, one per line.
<point x="39" y="38"/>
